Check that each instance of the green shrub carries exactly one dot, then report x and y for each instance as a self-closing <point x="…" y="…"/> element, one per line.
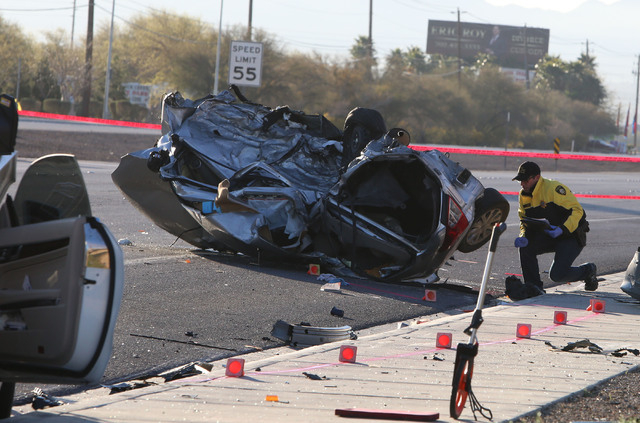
<point x="140" y="113"/>
<point x="53" y="105"/>
<point x="31" y="104"/>
<point x="95" y="109"/>
<point x="124" y="110"/>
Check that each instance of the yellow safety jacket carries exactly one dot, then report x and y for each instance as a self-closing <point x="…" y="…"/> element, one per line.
<point x="555" y="202"/>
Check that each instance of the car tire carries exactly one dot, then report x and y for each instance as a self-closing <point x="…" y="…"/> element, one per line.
<point x="491" y="208"/>
<point x="361" y="126"/>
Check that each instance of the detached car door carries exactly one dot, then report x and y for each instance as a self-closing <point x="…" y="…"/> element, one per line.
<point x="61" y="280"/>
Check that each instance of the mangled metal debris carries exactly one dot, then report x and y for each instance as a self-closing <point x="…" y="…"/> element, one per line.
<point x="305" y="335"/>
<point x="188" y="370"/>
<point x="621" y="352"/>
<point x="571" y="346"/>
<point x="127" y="386"/>
<point x="314" y="376"/>
<point x="232" y="175"/>
<point x="593" y="348"/>
<point x="42" y="400"/>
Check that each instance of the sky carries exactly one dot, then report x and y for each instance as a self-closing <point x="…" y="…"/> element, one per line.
<point x="607" y="28"/>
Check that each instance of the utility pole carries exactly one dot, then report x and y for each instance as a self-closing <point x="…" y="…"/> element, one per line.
<point x="370" y="46"/>
<point x="86" y="96"/>
<point x="215" y="83"/>
<point x="459" y="33"/>
<point x="526" y="52"/>
<point x="250" y="19"/>
<point x="635" y="119"/>
<point x="506" y="138"/>
<point x="107" y="82"/>
<point x="19" y="77"/>
<point x="73" y="22"/>
<point x="587" y="49"/>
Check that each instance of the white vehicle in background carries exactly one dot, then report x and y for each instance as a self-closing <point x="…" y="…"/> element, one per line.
<point x="61" y="273"/>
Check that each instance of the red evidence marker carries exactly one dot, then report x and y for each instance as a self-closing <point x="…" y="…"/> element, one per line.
<point x="235" y="367"/>
<point x="560" y="317"/>
<point x="443" y="340"/>
<point x="523" y="330"/>
<point x="348" y="354"/>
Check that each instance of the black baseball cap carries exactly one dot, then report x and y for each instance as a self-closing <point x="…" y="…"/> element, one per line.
<point x="526" y="171"/>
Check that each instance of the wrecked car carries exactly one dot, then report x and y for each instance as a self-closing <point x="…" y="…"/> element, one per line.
<point x="61" y="273"/>
<point x="231" y="175"/>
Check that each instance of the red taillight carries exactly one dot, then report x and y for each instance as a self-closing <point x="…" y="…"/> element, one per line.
<point x="456" y="224"/>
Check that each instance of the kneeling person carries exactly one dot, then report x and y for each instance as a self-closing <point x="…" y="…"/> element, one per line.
<point x="542" y="198"/>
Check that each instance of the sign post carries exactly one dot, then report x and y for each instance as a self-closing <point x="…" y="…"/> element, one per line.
<point x="245" y="63"/>
<point x="556" y="149"/>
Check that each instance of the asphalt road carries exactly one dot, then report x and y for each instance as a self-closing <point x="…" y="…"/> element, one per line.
<point x="176" y="295"/>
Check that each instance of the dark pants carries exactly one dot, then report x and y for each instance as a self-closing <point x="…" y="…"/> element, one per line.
<point x="566" y="251"/>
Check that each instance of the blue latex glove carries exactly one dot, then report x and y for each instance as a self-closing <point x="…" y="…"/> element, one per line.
<point x="554" y="232"/>
<point x="521" y="242"/>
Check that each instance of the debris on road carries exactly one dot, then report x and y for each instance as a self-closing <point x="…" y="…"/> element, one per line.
<point x="127" y="386"/>
<point x="313" y="376"/>
<point x="335" y="311"/>
<point x="621" y="352"/>
<point x="124" y="241"/>
<point x="305" y="335"/>
<point x="364" y="413"/>
<point x="332" y="282"/>
<point x="42" y="400"/>
<point x="331" y="287"/>
<point x="585" y="343"/>
<point x="191" y="369"/>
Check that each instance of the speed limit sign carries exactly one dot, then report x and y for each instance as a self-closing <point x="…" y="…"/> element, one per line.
<point x="245" y="63"/>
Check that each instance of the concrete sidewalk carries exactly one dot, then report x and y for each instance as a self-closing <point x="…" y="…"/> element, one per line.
<point x="396" y="369"/>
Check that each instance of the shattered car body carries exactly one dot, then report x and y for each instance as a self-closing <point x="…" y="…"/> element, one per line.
<point x="233" y="175"/>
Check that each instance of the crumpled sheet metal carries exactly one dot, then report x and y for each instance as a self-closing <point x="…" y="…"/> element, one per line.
<point x="230" y="135"/>
<point x="288" y="169"/>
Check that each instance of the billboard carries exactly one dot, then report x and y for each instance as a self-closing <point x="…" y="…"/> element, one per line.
<point x="506" y="43"/>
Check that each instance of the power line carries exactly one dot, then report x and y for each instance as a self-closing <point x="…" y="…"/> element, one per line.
<point x="48" y="9"/>
<point x="429" y="8"/>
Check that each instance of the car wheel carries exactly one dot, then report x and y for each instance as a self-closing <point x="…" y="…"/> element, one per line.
<point x="357" y="139"/>
<point x="491" y="208"/>
<point x="361" y="126"/>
